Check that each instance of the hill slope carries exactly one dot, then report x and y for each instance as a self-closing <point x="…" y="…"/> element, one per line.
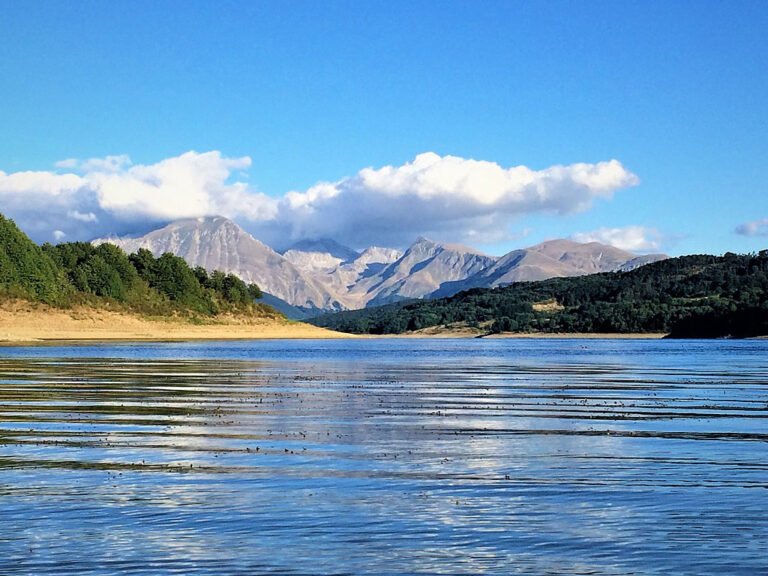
<point x="678" y="295"/>
<point x="24" y="321"/>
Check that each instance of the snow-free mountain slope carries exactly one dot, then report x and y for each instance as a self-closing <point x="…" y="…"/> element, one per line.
<point x="588" y="258"/>
<point x="319" y="255"/>
<point x="219" y="244"/>
<point x="342" y="279"/>
<point x="421" y="270"/>
<point x="551" y="259"/>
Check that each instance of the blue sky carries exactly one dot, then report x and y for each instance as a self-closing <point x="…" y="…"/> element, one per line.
<point x="313" y="92"/>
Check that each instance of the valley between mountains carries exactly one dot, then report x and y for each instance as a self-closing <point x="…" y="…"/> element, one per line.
<point x="318" y="276"/>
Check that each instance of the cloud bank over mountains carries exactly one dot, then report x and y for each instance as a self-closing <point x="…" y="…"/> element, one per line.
<point x="448" y="197"/>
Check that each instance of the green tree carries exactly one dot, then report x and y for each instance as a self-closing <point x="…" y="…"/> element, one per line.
<point x="25" y="269"/>
<point x="175" y="279"/>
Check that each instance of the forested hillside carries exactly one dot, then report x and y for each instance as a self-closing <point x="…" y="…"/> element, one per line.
<point x="77" y="272"/>
<point x="25" y="270"/>
<point x="689" y="296"/>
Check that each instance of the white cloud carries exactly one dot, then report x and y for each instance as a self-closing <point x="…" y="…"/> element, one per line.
<point x="83" y="216"/>
<point x="754" y="228"/>
<point x="112" y="195"/>
<point x="67" y="164"/>
<point x="632" y="238"/>
<point x="39" y="184"/>
<point x="186" y="186"/>
<point x="451" y="198"/>
<point x="106" y="164"/>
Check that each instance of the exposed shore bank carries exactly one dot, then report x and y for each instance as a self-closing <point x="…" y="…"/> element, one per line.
<point x="26" y="322"/>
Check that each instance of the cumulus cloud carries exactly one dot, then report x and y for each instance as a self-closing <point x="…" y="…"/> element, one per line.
<point x="183" y="187"/>
<point x="449" y="197"/>
<point x="754" y="228"/>
<point x="83" y="216"/>
<point x="632" y="238"/>
<point x="112" y="195"/>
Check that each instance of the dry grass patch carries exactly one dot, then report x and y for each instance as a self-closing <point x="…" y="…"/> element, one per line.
<point x="550" y="305"/>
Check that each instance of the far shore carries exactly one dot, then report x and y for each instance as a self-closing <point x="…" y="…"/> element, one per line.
<point x="580" y="335"/>
<point x="535" y="335"/>
<point x="467" y="332"/>
<point x="24" y="323"/>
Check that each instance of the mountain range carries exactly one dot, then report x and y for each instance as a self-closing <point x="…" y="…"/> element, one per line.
<point x="317" y="276"/>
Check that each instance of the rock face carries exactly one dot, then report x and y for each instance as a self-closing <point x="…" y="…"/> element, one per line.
<point x="321" y="275"/>
<point x="343" y="279"/>
<point x="319" y="255"/>
<point x="638" y="261"/>
<point x="219" y="244"/>
<point x="420" y="271"/>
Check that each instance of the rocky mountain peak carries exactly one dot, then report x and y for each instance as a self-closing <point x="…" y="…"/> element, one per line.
<point x="325" y="246"/>
<point x="378" y="255"/>
<point x="321" y="255"/>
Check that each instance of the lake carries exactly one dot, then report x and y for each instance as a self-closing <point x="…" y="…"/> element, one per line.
<point x="385" y="456"/>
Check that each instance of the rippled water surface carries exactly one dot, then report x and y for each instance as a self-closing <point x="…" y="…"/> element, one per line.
<point x="385" y="457"/>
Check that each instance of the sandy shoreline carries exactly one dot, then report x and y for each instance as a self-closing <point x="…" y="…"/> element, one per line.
<point x="23" y="322"/>
<point x="584" y="335"/>
<point x="534" y="336"/>
<point x="467" y="332"/>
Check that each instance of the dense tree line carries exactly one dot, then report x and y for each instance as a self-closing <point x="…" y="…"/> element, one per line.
<point x="78" y="271"/>
<point x="728" y="295"/>
<point x="25" y="270"/>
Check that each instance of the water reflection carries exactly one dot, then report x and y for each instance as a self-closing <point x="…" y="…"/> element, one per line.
<point x="373" y="457"/>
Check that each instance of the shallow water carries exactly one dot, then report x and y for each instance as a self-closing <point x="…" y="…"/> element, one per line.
<point x="385" y="457"/>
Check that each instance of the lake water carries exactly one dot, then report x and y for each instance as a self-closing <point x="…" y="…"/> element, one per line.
<point x="385" y="457"/>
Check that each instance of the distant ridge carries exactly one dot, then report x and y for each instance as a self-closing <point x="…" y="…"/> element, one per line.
<point x="551" y="259"/>
<point x="315" y="276"/>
